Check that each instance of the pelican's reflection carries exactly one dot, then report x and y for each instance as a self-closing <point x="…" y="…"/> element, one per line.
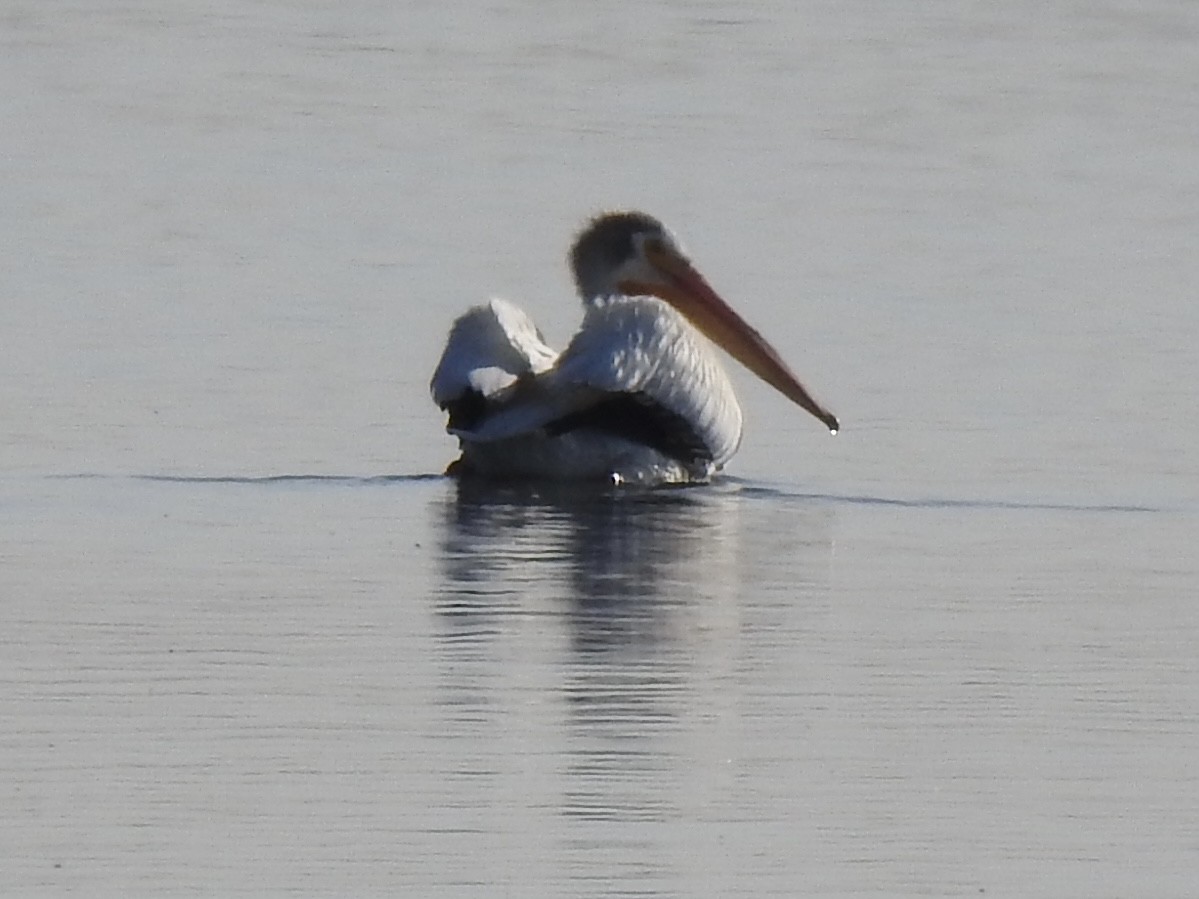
<point x="621" y="612"/>
<point x="620" y="566"/>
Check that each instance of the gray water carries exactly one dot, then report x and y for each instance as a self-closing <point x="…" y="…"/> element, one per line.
<point x="251" y="643"/>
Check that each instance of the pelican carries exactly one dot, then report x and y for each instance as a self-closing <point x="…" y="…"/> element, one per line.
<point x="639" y="395"/>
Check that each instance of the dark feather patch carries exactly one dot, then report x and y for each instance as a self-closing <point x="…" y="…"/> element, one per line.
<point x="466" y="411"/>
<point x="637" y="417"/>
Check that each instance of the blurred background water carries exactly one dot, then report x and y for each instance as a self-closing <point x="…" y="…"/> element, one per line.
<point x="252" y="643"/>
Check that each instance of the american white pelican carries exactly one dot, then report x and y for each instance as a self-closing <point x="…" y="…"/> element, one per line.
<point x="638" y="396"/>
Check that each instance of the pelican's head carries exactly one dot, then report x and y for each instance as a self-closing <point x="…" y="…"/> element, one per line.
<point x="612" y="253"/>
<point x="634" y="254"/>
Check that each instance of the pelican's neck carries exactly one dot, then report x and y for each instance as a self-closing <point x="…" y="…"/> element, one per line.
<point x="594" y="283"/>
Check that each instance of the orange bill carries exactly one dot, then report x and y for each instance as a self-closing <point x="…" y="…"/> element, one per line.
<point x="686" y="290"/>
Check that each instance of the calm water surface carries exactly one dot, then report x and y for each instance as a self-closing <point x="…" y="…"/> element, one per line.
<point x="250" y="641"/>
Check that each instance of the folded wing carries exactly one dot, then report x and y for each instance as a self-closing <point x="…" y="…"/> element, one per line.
<point x="490" y="349"/>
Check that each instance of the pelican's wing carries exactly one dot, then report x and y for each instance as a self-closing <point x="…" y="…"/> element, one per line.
<point x="489" y="349"/>
<point x="635" y="366"/>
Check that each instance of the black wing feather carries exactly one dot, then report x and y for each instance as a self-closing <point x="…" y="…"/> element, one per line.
<point x="637" y="417"/>
<point x="466" y="410"/>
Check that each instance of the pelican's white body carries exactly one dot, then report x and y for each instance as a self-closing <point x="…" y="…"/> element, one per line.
<point x="626" y="345"/>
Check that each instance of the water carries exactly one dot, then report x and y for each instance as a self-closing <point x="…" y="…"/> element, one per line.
<point x="251" y="643"/>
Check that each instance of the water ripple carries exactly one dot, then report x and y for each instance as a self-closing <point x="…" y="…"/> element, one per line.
<point x="568" y="494"/>
<point x="750" y="489"/>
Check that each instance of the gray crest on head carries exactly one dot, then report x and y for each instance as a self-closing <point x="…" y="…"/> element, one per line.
<point x="605" y="244"/>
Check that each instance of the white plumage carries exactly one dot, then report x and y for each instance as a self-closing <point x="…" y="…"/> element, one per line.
<point x="641" y="345"/>
<point x="639" y="395"/>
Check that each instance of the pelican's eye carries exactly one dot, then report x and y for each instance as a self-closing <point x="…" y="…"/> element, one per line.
<point x="652" y="245"/>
